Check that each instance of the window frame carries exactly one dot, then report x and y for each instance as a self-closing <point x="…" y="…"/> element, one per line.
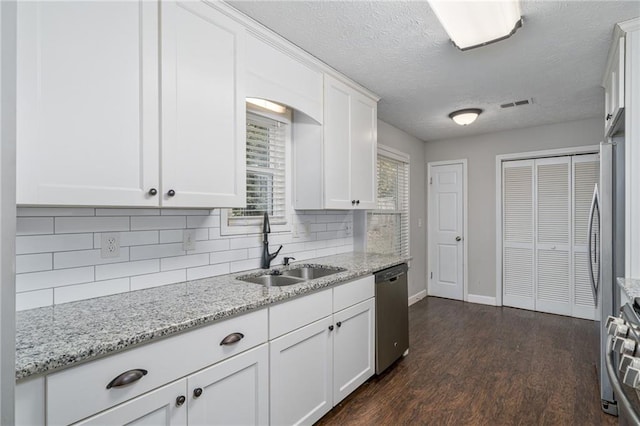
<point x="250" y="226"/>
<point x="402" y="157"/>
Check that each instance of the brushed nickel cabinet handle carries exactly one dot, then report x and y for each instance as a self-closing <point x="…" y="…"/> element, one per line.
<point x="127" y="378"/>
<point x="232" y="338"/>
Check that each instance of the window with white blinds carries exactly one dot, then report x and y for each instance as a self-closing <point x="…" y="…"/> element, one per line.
<point x="266" y="158"/>
<point x="388" y="224"/>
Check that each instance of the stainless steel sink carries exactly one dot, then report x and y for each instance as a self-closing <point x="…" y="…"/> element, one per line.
<point x="272" y="280"/>
<point x="291" y="276"/>
<point x="310" y="273"/>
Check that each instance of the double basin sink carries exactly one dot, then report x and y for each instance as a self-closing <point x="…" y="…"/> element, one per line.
<point x="296" y="275"/>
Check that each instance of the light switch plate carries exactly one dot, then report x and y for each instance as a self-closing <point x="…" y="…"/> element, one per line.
<point x="189" y="239"/>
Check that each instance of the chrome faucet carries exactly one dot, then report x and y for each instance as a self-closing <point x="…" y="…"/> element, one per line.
<point x="265" y="261"/>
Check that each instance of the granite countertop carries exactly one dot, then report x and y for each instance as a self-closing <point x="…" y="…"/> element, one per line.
<point x="631" y="287"/>
<point x="60" y="336"/>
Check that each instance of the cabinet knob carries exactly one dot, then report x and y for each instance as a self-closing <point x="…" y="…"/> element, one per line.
<point x="339" y="323"/>
<point x="197" y="392"/>
<point x="180" y="400"/>
<point x="608" y="117"/>
<point x="171" y="193"/>
<point x="358" y="202"/>
<point x="353" y="202"/>
<point x="153" y="191"/>
<point x="331" y="328"/>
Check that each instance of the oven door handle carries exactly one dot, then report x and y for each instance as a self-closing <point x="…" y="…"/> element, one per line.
<point x="623" y="401"/>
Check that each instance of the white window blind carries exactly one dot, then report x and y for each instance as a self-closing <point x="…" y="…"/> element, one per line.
<point x="388" y="225"/>
<point x="266" y="185"/>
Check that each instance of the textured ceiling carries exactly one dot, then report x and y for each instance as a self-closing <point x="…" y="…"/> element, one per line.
<point x="400" y="51"/>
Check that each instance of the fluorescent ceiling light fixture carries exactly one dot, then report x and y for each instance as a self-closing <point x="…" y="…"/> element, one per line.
<point x="473" y="24"/>
<point x="465" y="117"/>
<point x="271" y="106"/>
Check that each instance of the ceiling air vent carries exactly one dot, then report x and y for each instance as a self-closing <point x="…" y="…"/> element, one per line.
<point x="517" y="103"/>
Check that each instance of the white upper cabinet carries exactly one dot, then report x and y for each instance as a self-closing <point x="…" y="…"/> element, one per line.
<point x="87" y="103"/>
<point x="347" y="147"/>
<point x="203" y="107"/>
<point x="614" y="87"/>
<point x="103" y="121"/>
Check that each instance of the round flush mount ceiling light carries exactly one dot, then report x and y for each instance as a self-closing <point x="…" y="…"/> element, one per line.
<point x="465" y="117"/>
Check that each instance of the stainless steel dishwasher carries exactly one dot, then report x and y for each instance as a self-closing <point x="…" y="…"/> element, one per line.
<point x="392" y="315"/>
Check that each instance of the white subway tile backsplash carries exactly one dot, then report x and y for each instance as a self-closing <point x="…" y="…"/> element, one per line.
<point x="127" y="269"/>
<point x="71" y="293"/>
<point x="53" y="243"/>
<point x="34" y="225"/>
<point x="227" y="256"/>
<point x="207" y="271"/>
<point x="203" y="221"/>
<point x="132" y="238"/>
<point x="74" y="225"/>
<point x="72" y="259"/>
<point x="49" y="279"/>
<point x="155" y="251"/>
<point x="154" y="280"/>
<point x="34" y="262"/>
<point x="55" y="211"/>
<point x="143" y="223"/>
<point x="151" y="249"/>
<point x="34" y="299"/>
<point x="127" y="212"/>
<point x="181" y="262"/>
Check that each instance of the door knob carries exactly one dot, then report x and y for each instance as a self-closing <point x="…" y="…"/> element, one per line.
<point x="458" y="238"/>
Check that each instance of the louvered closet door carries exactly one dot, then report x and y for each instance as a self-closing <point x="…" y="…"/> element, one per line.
<point x="518" y="232"/>
<point x="586" y="173"/>
<point x="554" y="292"/>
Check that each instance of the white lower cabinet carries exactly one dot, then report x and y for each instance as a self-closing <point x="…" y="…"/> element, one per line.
<point x="353" y="348"/>
<point x="233" y="392"/>
<point x="316" y="366"/>
<point x="164" y="406"/>
<point x="301" y="374"/>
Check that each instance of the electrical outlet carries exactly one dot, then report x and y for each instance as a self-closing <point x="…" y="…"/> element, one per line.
<point x="294" y="233"/>
<point x="347" y="230"/>
<point x="307" y="228"/>
<point x="189" y="239"/>
<point x="110" y="245"/>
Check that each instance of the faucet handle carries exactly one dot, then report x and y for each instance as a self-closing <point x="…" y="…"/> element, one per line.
<point x="286" y="260"/>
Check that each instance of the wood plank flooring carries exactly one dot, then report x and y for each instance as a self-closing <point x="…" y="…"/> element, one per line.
<point x="472" y="364"/>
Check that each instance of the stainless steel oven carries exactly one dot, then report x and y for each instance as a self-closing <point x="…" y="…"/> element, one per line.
<point x="623" y="361"/>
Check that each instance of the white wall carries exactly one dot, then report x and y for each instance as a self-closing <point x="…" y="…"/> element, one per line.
<point x="7" y="208"/>
<point x="58" y="249"/>
<point x="481" y="153"/>
<point x="415" y="148"/>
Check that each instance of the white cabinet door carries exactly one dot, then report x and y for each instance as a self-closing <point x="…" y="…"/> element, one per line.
<point x="87" y="110"/>
<point x="203" y="107"/>
<point x="364" y="149"/>
<point x="301" y="374"/>
<point x="353" y="348"/>
<point x="159" y="407"/>
<point x="337" y="144"/>
<point x="233" y="392"/>
<point x="614" y="88"/>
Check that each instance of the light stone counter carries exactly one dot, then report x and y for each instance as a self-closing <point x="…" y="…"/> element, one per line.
<point x="630" y="286"/>
<point x="52" y="338"/>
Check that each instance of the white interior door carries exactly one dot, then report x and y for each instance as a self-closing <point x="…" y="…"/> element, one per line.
<point x="446" y="214"/>
<point x="518" y="254"/>
<point x="554" y="272"/>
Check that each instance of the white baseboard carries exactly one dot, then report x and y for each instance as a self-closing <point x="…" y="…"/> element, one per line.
<point x="418" y="296"/>
<point x="483" y="300"/>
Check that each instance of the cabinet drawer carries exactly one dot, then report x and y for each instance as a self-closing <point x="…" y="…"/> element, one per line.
<point x="81" y="391"/>
<point x="349" y="294"/>
<point x="296" y="313"/>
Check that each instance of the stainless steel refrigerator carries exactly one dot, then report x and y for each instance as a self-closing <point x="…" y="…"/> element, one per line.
<point x="606" y="251"/>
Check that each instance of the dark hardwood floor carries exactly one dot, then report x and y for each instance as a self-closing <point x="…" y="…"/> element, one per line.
<point x="472" y="364"/>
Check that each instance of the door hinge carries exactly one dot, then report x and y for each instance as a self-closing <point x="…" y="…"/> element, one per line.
<point x="430" y="180"/>
<point x="432" y="275"/>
